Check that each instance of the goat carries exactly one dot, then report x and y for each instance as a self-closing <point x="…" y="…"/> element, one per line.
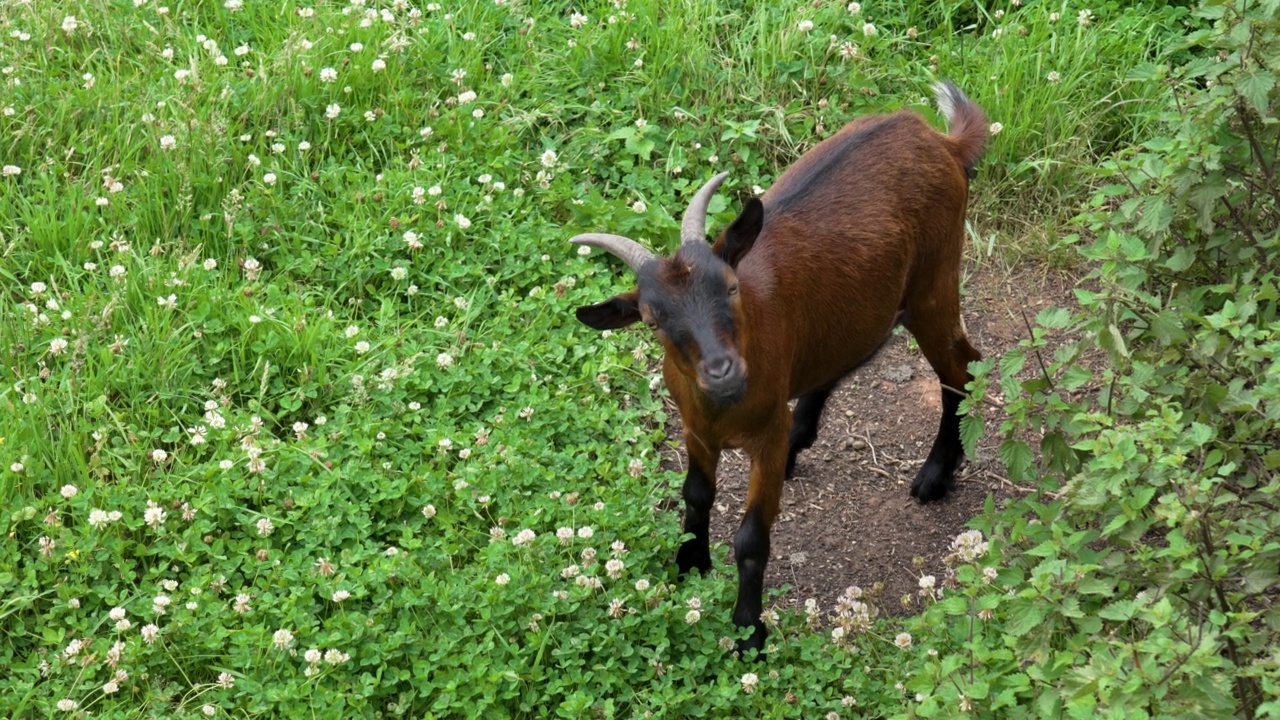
<point x="863" y="233"/>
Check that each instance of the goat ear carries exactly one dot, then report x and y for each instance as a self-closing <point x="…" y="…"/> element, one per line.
<point x="742" y="232"/>
<point x="616" y="312"/>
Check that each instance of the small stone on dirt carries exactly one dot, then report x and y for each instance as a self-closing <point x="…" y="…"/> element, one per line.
<point x="899" y="373"/>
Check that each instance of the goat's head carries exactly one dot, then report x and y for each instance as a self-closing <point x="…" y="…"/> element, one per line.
<point x="691" y="300"/>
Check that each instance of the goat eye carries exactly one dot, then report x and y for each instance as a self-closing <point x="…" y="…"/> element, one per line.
<point x="733" y="289"/>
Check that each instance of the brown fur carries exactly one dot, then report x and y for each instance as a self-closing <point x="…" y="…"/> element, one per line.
<point x="863" y="232"/>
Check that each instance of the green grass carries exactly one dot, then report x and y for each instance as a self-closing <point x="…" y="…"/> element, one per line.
<point x="477" y="394"/>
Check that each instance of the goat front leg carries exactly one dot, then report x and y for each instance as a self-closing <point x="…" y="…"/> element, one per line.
<point x="699" y="493"/>
<point x="751" y="543"/>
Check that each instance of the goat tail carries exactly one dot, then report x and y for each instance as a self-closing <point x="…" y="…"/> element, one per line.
<point x="967" y="122"/>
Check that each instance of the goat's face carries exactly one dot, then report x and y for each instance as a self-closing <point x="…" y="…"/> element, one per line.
<point x="693" y="305"/>
<point x="691" y="301"/>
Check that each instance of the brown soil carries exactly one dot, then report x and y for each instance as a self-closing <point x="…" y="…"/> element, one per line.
<point x="847" y="517"/>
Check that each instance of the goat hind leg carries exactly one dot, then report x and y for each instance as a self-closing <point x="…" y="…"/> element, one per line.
<point x="804" y="425"/>
<point x="950" y="353"/>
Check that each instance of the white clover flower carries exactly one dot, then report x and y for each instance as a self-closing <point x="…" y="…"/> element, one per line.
<point x="10" y="171"/>
<point x="585" y="532"/>
<point x="855" y="8"/>
<point x="282" y="639"/>
<point x="524" y="537"/>
<point x="328" y="75"/>
<point x="429" y="511"/>
<point x="411" y="239"/>
<point x="1084" y="17"/>
<point x="749" y="682"/>
<point x="154" y="515"/>
<point x="332" y="110"/>
<point x="67" y="704"/>
<point x="57" y="346"/>
<point x="312" y="656"/>
<point x="168" y="142"/>
<point x="444" y="360"/>
<point x="379" y="65"/>
<point x="1053" y="77"/>
<point x="265" y="528"/>
<point x="506" y="79"/>
<point x="639" y="207"/>
<point x="868" y="29"/>
<point x="462" y="221"/>
<point x="902" y="640"/>
<point x="549" y="159"/>
<point x="805" y="26"/>
<point x="269" y="179"/>
<point x="466" y="97"/>
<point x="642" y="585"/>
<point x="69" y="491"/>
<point x="577" y="20"/>
<point x="692" y="616"/>
<point x="614" y="568"/>
<point x="362" y="347"/>
<point x="502" y="579"/>
<point x="995" y="128"/>
<point x="69" y="25"/>
<point x="158" y="456"/>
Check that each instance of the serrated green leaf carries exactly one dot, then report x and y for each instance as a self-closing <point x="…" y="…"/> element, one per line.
<point x="1256" y="87"/>
<point x="1167" y="327"/>
<point x="1017" y="457"/>
<point x="977" y="690"/>
<point x="1181" y="259"/>
<point x="1118" y="611"/>
<point x="1112" y="340"/>
<point x="1074" y="377"/>
<point x="970" y="433"/>
<point x="1053" y="318"/>
<point x="1024" y="614"/>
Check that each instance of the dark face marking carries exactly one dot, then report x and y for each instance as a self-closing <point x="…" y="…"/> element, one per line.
<point x="691" y="300"/>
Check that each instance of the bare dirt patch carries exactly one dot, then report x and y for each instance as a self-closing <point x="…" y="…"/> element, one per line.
<point x="847" y="517"/>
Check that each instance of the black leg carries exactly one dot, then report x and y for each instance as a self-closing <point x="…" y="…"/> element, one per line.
<point x="804" y="424"/>
<point x="937" y="476"/>
<point x="751" y="549"/>
<point x="699" y="493"/>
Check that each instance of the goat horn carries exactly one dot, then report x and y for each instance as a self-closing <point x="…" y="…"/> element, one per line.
<point x="629" y="251"/>
<point x="693" y="228"/>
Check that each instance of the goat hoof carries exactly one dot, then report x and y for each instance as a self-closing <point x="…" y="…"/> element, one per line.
<point x="932" y="483"/>
<point x="690" y="558"/>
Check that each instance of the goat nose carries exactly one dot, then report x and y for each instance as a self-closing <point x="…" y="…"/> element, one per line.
<point x="718" y="368"/>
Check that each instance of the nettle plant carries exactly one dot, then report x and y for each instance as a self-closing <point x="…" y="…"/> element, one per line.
<point x="1149" y="562"/>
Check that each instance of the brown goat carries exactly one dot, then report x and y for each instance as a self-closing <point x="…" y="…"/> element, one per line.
<point x="863" y="233"/>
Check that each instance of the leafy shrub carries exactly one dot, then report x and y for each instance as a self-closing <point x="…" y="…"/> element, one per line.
<point x="1148" y="569"/>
